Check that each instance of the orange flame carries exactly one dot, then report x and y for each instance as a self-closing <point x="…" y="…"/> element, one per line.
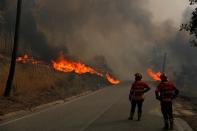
<point x="23" y="59"/>
<point x="26" y="59"/>
<point x="63" y="65"/>
<point x="69" y="66"/>
<point x="112" y="80"/>
<point x="153" y="75"/>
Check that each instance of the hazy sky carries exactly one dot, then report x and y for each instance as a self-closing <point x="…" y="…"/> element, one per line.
<point x="163" y="10"/>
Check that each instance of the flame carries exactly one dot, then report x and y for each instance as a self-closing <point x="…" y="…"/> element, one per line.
<point x="111" y="79"/>
<point x="26" y="59"/>
<point x="153" y="75"/>
<point x="66" y="66"/>
<point x="23" y="59"/>
<point x="71" y="66"/>
<point x="63" y="65"/>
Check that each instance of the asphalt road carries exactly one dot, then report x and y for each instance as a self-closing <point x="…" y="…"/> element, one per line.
<point x="105" y="110"/>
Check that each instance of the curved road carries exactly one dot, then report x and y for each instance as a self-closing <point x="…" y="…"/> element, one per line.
<point x="104" y="110"/>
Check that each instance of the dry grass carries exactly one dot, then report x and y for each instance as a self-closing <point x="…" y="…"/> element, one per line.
<point x="39" y="84"/>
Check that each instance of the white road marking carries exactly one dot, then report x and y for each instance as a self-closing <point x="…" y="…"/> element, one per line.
<point x="51" y="108"/>
<point x="182" y="125"/>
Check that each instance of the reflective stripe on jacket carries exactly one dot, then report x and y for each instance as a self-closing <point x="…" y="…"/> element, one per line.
<point x="166" y="91"/>
<point x="138" y="89"/>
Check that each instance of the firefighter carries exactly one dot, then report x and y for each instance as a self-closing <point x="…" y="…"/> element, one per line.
<point x="165" y="93"/>
<point x="136" y="95"/>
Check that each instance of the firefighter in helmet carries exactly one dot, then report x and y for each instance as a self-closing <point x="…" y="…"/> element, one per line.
<point x="165" y="93"/>
<point x="136" y="95"/>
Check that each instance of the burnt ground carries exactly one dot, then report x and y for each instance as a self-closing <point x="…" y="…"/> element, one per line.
<point x="186" y="108"/>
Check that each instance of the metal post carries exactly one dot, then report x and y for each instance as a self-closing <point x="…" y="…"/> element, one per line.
<point x="14" y="52"/>
<point x="164" y="63"/>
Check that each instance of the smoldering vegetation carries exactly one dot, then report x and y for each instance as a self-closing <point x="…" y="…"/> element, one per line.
<point x="120" y="31"/>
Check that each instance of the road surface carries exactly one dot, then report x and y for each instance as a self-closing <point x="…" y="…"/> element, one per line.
<point x="104" y="110"/>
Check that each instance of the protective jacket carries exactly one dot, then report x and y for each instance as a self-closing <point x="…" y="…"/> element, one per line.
<point x="138" y="89"/>
<point x="166" y="91"/>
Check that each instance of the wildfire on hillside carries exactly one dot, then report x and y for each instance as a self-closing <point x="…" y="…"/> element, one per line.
<point x="111" y="79"/>
<point x="66" y="66"/>
<point x="63" y="65"/>
<point x="27" y="59"/>
<point x="153" y="75"/>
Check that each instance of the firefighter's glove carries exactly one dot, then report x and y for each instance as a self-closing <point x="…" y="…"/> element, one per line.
<point x="158" y="98"/>
<point x="146" y="90"/>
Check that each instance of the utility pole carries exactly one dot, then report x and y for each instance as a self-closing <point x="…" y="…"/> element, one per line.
<point x="14" y="52"/>
<point x="164" y="63"/>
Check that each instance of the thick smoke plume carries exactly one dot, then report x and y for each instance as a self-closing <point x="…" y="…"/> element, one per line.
<point x="32" y="39"/>
<point x="122" y="31"/>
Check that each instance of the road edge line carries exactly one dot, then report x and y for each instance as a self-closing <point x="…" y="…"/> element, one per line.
<point x="182" y="125"/>
<point x="50" y="107"/>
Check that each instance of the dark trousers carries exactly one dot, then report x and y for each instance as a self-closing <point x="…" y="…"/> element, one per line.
<point x="139" y="104"/>
<point x="166" y="109"/>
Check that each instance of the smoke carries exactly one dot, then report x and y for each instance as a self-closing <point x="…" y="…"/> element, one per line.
<point x="32" y="39"/>
<point x="2" y="8"/>
<point x="120" y="30"/>
<point x="1" y="18"/>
